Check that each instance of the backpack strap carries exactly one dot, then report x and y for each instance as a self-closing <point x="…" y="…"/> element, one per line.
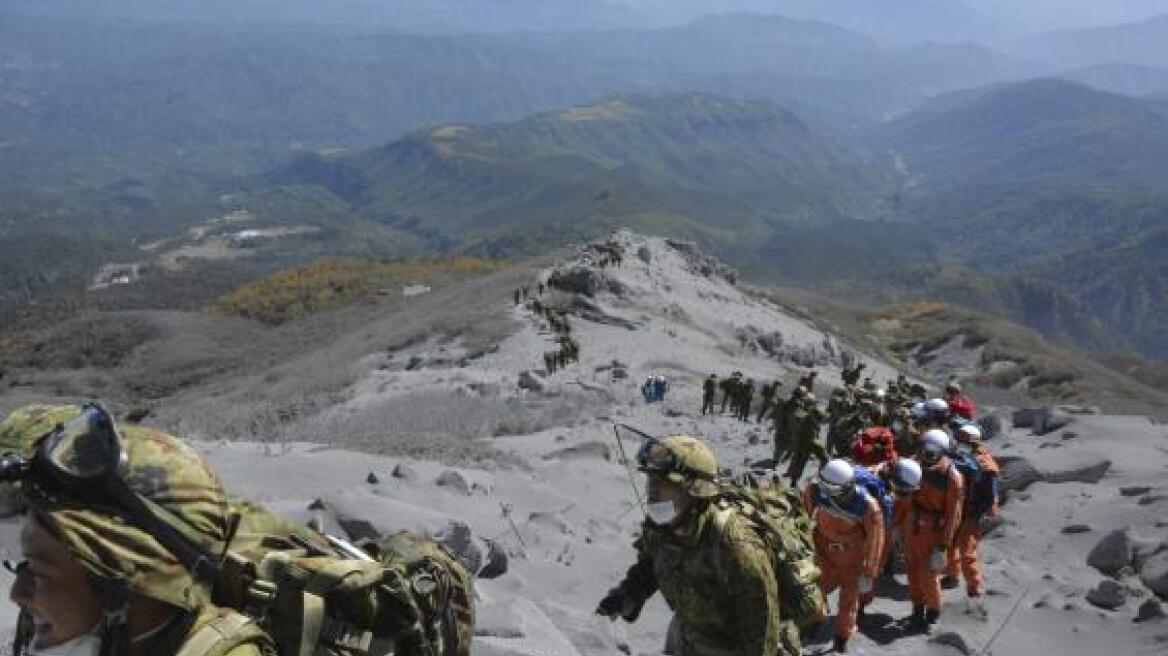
<point x="223" y="634"/>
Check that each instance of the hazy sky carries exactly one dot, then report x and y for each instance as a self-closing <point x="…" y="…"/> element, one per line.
<point x="902" y="19"/>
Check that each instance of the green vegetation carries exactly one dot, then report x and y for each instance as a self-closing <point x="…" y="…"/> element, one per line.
<point x="1048" y="131"/>
<point x="695" y="165"/>
<point x="330" y="284"/>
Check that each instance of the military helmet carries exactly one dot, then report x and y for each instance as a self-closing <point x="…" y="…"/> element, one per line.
<point x="167" y="474"/>
<point x="681" y="459"/>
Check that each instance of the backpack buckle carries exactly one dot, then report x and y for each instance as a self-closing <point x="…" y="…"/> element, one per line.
<point x="260" y="597"/>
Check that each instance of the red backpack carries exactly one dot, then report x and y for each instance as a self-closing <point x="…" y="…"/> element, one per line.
<point x="873" y="446"/>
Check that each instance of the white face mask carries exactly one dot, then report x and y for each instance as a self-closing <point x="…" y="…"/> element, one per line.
<point x="83" y="645"/>
<point x="661" y="513"/>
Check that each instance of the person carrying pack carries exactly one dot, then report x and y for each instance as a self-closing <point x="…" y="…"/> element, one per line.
<point x="981" y="478"/>
<point x="706" y="557"/>
<point x="873" y="446"/>
<point x="929" y="526"/>
<point x="157" y="533"/>
<point x="849" y="537"/>
<point x="115" y="539"/>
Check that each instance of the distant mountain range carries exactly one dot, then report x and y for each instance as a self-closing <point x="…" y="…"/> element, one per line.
<point x="214" y="98"/>
<point x="1143" y="42"/>
<point x="721" y="171"/>
<point x="1046" y="130"/>
<point x="1126" y="79"/>
<point x="804" y="152"/>
<point x="1051" y="182"/>
<point x="416" y="16"/>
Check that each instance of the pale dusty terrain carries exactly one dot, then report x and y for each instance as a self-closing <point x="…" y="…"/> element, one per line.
<point x="545" y="459"/>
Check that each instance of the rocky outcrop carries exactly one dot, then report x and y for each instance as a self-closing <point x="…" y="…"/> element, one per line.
<point x="577" y="279"/>
<point x="1154" y="573"/>
<point x="1151" y="609"/>
<point x="702" y="264"/>
<point x="1042" y="421"/>
<point x="529" y="382"/>
<point x="1019" y="473"/>
<point x="1108" y="594"/>
<point x="454" y="481"/>
<point x="1113" y="553"/>
<point x="1122" y="550"/>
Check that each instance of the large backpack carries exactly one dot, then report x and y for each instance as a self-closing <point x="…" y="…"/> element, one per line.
<point x="877" y="488"/>
<point x="874" y="446"/>
<point x="316" y="595"/>
<point x="981" y="487"/>
<point x="777" y="515"/>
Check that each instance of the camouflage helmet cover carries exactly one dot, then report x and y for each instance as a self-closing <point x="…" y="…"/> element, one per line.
<point x="162" y="469"/>
<point x="684" y="460"/>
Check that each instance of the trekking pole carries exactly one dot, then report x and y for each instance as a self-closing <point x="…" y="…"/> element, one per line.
<point x="506" y="508"/>
<point x="620" y="445"/>
<point x="1009" y="616"/>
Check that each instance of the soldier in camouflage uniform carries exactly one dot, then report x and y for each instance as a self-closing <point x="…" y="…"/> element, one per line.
<point x="745" y="399"/>
<point x="804" y="422"/>
<point x="768" y="393"/>
<point x="781" y="415"/>
<point x="808" y="380"/>
<point x="95" y="584"/>
<point x="713" y="570"/>
<point x="840" y="406"/>
<point x="852" y="376"/>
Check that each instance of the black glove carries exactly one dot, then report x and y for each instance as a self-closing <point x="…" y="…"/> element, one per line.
<point x="613" y="604"/>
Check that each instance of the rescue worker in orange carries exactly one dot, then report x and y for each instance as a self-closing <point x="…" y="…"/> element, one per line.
<point x="929" y="525"/>
<point x="902" y="477"/>
<point x="981" y="503"/>
<point x="849" y="538"/>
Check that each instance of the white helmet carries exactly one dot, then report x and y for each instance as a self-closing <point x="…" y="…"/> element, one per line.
<point x="934" y="444"/>
<point x="837" y="475"/>
<point x="969" y="433"/>
<point x="906" y="475"/>
<point x="937" y="406"/>
<point x="880" y="394"/>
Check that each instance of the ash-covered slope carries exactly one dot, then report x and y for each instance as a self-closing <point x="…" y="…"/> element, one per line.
<point x="518" y="468"/>
<point x="468" y="362"/>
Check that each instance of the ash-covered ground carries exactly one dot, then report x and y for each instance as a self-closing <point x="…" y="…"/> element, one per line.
<point x="446" y="422"/>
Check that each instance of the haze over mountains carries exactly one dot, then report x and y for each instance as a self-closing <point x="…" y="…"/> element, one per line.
<point x="1009" y="158"/>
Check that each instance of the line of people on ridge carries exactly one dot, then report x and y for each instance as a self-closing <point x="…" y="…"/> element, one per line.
<point x="924" y="490"/>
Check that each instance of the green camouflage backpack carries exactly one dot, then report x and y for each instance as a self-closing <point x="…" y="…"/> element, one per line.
<point x="316" y="595"/>
<point x="777" y="514"/>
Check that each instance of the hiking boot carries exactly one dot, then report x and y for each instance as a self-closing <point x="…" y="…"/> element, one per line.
<point x="931" y="617"/>
<point x="975" y="606"/>
<point x="949" y="582"/>
<point x="839" y="645"/>
<point x="916" y="621"/>
<point x="861" y="612"/>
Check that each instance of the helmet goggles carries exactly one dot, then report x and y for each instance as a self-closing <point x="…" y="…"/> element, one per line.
<point x="655" y="459"/>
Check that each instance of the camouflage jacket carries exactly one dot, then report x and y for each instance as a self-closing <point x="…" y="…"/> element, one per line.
<point x="718" y="581"/>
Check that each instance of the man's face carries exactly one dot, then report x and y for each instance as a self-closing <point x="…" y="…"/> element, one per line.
<point x="659" y="488"/>
<point x="53" y="588"/>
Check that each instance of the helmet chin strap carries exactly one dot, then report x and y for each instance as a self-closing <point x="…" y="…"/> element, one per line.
<point x="115" y="636"/>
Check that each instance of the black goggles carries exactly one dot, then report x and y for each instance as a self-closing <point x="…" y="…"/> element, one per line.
<point x="655" y="459"/>
<point x="85" y="461"/>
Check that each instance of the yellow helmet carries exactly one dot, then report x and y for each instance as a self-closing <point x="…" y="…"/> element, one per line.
<point x="684" y="460"/>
